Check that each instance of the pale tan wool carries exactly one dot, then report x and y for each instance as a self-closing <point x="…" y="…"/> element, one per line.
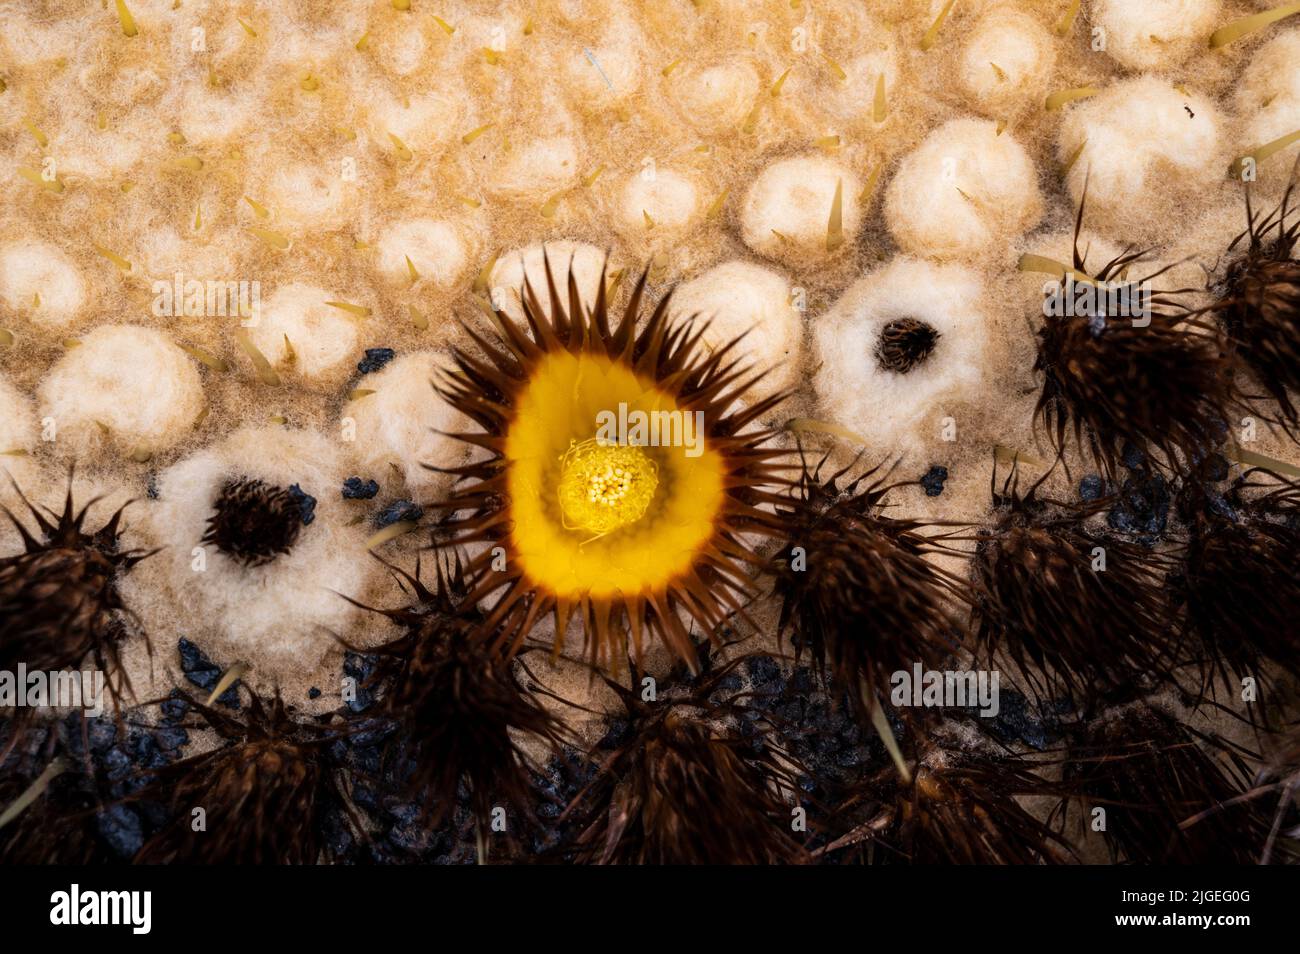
<point x="1144" y="149"/>
<point x="1007" y="62"/>
<point x="203" y="114"/>
<point x="1271" y="74"/>
<point x="864" y="51"/>
<point x="1154" y="34"/>
<point x="18" y="436"/>
<point x="786" y="212"/>
<point x="435" y="249"/>
<point x="405" y="425"/>
<point x="308" y="196"/>
<point x="281" y="614"/>
<point x="424" y="122"/>
<point x="162" y="252"/>
<point x="715" y="98"/>
<point x="536" y="168"/>
<point x="41" y="282"/>
<point x="881" y="405"/>
<point x="297" y="331"/>
<point x="657" y="201"/>
<point x="132" y="382"/>
<point x="607" y="72"/>
<point x="1268" y="104"/>
<point x="963" y="192"/>
<point x="740" y="298"/>
<point x="529" y="264"/>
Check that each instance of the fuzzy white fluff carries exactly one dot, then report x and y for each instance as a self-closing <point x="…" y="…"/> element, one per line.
<point x="536" y="167"/>
<point x="793" y="197"/>
<point x="1147" y="150"/>
<point x="423" y="122"/>
<point x="323" y="338"/>
<point x="41" y="282"/>
<point x="308" y="196"/>
<point x="965" y="191"/>
<point x="436" y="248"/>
<point x="1271" y="74"/>
<point x="132" y="380"/>
<point x="715" y="98"/>
<point x="740" y="298"/>
<point x="512" y="269"/>
<point x="281" y="614"/>
<point x="616" y="71"/>
<point x="400" y="423"/>
<point x="1006" y="62"/>
<point x="162" y="252"/>
<point x="670" y="199"/>
<point x="883" y="406"/>
<point x="1151" y="34"/>
<point x="1268" y="102"/>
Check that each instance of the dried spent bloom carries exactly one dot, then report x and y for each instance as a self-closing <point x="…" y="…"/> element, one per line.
<point x="459" y="703"/>
<point x="856" y="587"/>
<point x="1077" y="611"/>
<point x="59" y="602"/>
<point x="683" y="786"/>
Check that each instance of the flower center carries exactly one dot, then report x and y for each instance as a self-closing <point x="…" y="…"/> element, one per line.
<point x="605" y="486"/>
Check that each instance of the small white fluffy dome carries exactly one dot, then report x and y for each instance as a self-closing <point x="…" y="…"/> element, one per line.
<point x="657" y="201"/>
<point x="283" y="612"/>
<point x="436" y="249"/>
<point x="133" y="381"/>
<point x="1268" y="101"/>
<point x="1149" y="34"/>
<point x="513" y="268"/>
<point x="1006" y="61"/>
<point x="402" y="52"/>
<point x="536" y="167"/>
<point x="607" y="72"/>
<point x="715" y="98"/>
<point x="962" y="191"/>
<point x="863" y="48"/>
<point x="1271" y="74"/>
<point x="308" y="196"/>
<point x="787" y="211"/>
<point x="296" y="327"/>
<point x="41" y="282"/>
<point x="422" y="122"/>
<point x="740" y="298"/>
<point x="400" y="424"/>
<point x="1280" y="118"/>
<point x="860" y="391"/>
<point x="1144" y="149"/>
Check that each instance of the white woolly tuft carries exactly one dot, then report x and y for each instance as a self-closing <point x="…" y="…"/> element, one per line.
<point x="739" y="298"/>
<point x="963" y="192"/>
<point x="882" y="405"/>
<point x="134" y="381"/>
<point x="401" y="423"/>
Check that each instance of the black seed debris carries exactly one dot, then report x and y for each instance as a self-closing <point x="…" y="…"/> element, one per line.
<point x="375" y="359"/>
<point x="933" y="480"/>
<point x="204" y="673"/>
<point x="354" y="488"/>
<point x="306" y="501"/>
<point x="397" y="510"/>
